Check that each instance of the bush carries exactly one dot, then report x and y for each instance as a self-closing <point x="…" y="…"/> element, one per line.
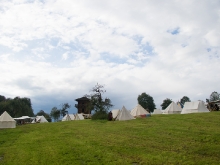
<point x="100" y="116"/>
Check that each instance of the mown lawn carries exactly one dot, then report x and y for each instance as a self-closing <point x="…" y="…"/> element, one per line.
<point x="160" y="139"/>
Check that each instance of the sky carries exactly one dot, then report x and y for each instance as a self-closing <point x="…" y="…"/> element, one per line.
<point x="55" y="51"/>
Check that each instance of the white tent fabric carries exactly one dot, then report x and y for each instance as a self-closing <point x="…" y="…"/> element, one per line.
<point x="124" y="114"/>
<point x="72" y="116"/>
<point x="138" y="111"/>
<point x="194" y="107"/>
<point x="66" y="118"/>
<point x="157" y="112"/>
<point x="6" y="121"/>
<point x="173" y="108"/>
<point x="33" y="121"/>
<point x="41" y="119"/>
<point x="79" y="116"/>
<point x="22" y="118"/>
<point x="115" y="113"/>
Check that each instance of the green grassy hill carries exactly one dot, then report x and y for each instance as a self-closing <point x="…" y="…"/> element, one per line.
<point x="160" y="139"/>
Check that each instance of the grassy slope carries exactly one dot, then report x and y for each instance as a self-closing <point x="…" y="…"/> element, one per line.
<point x="160" y="139"/>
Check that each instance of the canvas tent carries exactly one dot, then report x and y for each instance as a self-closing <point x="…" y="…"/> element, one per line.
<point x="124" y="114"/>
<point x="33" y="121"/>
<point x="173" y="108"/>
<point x="115" y="113"/>
<point x="156" y="112"/>
<point x="139" y="111"/>
<point x="194" y="107"/>
<point x="66" y="118"/>
<point x="23" y="119"/>
<point x="179" y="104"/>
<point x="41" y="119"/>
<point x="72" y="116"/>
<point x="6" y="121"/>
<point x="79" y="116"/>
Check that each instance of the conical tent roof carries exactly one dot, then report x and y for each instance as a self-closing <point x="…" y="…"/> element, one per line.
<point x="79" y="116"/>
<point x="72" y="116"/>
<point x="66" y="118"/>
<point x="173" y="108"/>
<point x="41" y="119"/>
<point x="115" y="113"/>
<point x="6" y="117"/>
<point x="157" y="112"/>
<point x="124" y="115"/>
<point x="194" y="107"/>
<point x="6" y="121"/>
<point x="138" y="110"/>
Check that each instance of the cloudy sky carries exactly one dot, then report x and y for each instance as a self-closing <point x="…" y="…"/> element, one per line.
<point x="55" y="51"/>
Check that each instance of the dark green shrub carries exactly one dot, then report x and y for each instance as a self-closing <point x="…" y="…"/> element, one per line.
<point x="100" y="115"/>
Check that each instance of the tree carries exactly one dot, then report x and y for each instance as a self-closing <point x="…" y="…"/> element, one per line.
<point x="185" y="99"/>
<point x="16" y="107"/>
<point x="146" y="101"/>
<point x="64" y="108"/>
<point x="214" y="96"/>
<point x="55" y="113"/>
<point x="166" y="103"/>
<point x="97" y="103"/>
<point x="2" y="98"/>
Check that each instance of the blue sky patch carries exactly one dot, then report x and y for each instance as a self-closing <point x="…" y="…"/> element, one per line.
<point x="174" y="31"/>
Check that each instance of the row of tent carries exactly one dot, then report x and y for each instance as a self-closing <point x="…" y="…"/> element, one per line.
<point x="69" y="117"/>
<point x="124" y="114"/>
<point x="173" y="108"/>
<point x="37" y="119"/>
<point x="6" y="121"/>
<point x="189" y="107"/>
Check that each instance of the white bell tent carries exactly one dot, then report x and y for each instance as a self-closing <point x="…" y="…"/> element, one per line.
<point x="194" y="107"/>
<point x="72" y="116"/>
<point x="173" y="108"/>
<point x="156" y="112"/>
<point x="79" y="116"/>
<point x="124" y="114"/>
<point x="139" y="111"/>
<point x="115" y="113"/>
<point x="66" y="118"/>
<point x="41" y="119"/>
<point x="6" y="121"/>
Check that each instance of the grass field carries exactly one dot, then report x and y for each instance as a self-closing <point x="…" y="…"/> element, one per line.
<point x="160" y="139"/>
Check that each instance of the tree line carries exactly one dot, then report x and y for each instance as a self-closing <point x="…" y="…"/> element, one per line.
<point x="19" y="106"/>
<point x="16" y="107"/>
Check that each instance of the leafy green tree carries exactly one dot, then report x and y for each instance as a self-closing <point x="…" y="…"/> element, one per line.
<point x="64" y="108"/>
<point x="55" y="113"/>
<point x="185" y="99"/>
<point x="17" y="107"/>
<point x="2" y="98"/>
<point x="97" y="103"/>
<point x="166" y="103"/>
<point x="214" y="96"/>
<point x="146" y="101"/>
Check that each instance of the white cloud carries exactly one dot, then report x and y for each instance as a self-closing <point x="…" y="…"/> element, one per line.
<point x="61" y="49"/>
<point x="65" y="56"/>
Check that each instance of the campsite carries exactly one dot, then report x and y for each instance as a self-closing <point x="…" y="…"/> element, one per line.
<point x="159" y="139"/>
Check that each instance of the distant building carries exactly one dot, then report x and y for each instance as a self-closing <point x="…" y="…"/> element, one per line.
<point x="83" y="105"/>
